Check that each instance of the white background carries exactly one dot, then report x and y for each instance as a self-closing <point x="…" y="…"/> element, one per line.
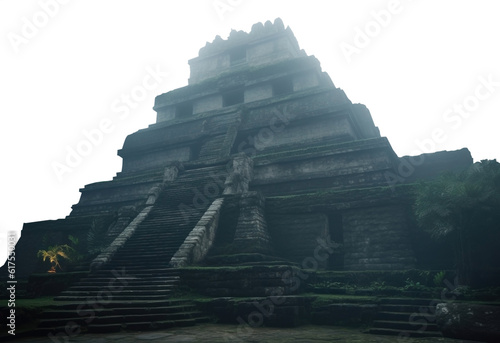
<point x="409" y="68"/>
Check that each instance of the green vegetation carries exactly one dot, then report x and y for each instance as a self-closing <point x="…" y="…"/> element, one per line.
<point x="37" y="303"/>
<point x="411" y="285"/>
<point x="463" y="210"/>
<point x="439" y="278"/>
<point x="53" y="253"/>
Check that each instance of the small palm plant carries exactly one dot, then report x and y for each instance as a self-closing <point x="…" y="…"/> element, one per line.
<point x="53" y="253"/>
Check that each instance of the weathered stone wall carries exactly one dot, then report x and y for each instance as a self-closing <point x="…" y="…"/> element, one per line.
<point x="251" y="235"/>
<point x="306" y="105"/>
<point x="429" y="166"/>
<point x="271" y="311"/>
<point x="156" y="159"/>
<point x="377" y="238"/>
<point x="259" y="92"/>
<point x="356" y="164"/>
<point x="165" y="114"/>
<point x="305" y="81"/>
<point x="295" y="236"/>
<point x="361" y="115"/>
<point x="111" y="196"/>
<point x="322" y="166"/>
<point x="243" y="281"/>
<point x="209" y="103"/>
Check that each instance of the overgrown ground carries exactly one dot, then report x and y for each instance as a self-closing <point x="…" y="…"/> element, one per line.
<point x="215" y="333"/>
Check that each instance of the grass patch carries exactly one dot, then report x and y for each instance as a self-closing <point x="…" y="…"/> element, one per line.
<point x="37" y="303"/>
<point x="327" y="299"/>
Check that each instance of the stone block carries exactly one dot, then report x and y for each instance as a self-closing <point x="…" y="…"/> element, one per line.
<point x="469" y="321"/>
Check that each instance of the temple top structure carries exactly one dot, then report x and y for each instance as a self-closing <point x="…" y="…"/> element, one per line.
<point x="265" y="43"/>
<point x="266" y="63"/>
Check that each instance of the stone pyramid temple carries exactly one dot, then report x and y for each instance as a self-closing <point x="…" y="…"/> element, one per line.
<point x="259" y="160"/>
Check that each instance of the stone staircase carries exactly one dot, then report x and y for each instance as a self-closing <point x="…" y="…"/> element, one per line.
<point x="406" y="317"/>
<point x="132" y="291"/>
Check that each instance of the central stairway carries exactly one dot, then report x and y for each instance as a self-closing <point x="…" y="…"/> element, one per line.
<point x="132" y="291"/>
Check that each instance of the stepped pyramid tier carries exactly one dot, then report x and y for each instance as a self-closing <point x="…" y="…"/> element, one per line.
<point x="259" y="159"/>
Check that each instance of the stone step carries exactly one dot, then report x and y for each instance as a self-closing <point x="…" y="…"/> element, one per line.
<point x="141" y="248"/>
<point x="63" y="321"/>
<point x="123" y="288"/>
<point x="123" y="282"/>
<point x="133" y="253"/>
<point x="405" y="308"/>
<point x="144" y="260"/>
<point x="111" y="274"/>
<point x="119" y="304"/>
<point x="163" y="226"/>
<point x="130" y="256"/>
<point x="398" y="316"/>
<point x="114" y="296"/>
<point x="56" y="334"/>
<point x="167" y="289"/>
<point x="165" y="271"/>
<point x="140" y="265"/>
<point x="146" y="286"/>
<point x="68" y="313"/>
<point x="108" y="328"/>
<point x="153" y="247"/>
<point x="163" y="216"/>
<point x="162" y="246"/>
<point x="159" y="239"/>
<point x="103" y="319"/>
<point x="407" y="301"/>
<point x="412" y="325"/>
<point x="150" y="317"/>
<point x="141" y="326"/>
<point x="162" y="229"/>
<point x="141" y="273"/>
<point x="404" y="333"/>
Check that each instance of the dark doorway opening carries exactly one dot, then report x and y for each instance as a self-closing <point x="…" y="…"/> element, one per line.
<point x="184" y="110"/>
<point x="233" y="98"/>
<point x="238" y="56"/>
<point x="282" y="86"/>
<point x="336" y="231"/>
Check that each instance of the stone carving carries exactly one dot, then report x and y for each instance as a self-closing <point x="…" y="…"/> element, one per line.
<point x="240" y="176"/>
<point x="170" y="173"/>
<point x="153" y="195"/>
